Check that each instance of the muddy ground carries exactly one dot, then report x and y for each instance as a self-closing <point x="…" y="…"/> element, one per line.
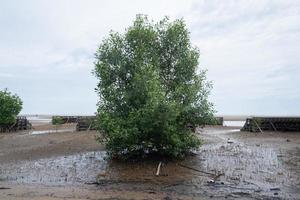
<point x="72" y="165"/>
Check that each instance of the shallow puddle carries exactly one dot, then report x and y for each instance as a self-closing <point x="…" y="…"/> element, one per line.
<point x="234" y="123"/>
<point x="51" y="131"/>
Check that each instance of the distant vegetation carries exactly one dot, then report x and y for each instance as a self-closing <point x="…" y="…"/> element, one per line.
<point x="151" y="94"/>
<point x="10" y="107"/>
<point x="57" y="120"/>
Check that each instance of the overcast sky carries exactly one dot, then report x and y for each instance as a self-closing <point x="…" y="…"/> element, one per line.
<point x="251" y="50"/>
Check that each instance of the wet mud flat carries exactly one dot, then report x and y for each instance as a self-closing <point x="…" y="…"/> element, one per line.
<point x="230" y="165"/>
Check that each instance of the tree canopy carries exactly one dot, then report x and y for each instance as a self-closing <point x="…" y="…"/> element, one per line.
<point x="10" y="107"/>
<point x="151" y="90"/>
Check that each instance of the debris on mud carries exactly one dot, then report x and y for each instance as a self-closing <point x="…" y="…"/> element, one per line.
<point x="197" y="170"/>
<point x="158" y="169"/>
<point x="229" y="141"/>
<point x="275" y="189"/>
<point x="5" y="188"/>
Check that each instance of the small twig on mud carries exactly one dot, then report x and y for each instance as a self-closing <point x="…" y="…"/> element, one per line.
<point x="217" y="176"/>
<point x="5" y="188"/>
<point x="172" y="185"/>
<point x="92" y="183"/>
<point x="275" y="189"/>
<point x="197" y="170"/>
<point x="158" y="169"/>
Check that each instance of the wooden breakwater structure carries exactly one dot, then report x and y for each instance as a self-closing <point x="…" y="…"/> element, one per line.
<point x="67" y="119"/>
<point x="86" y="123"/>
<point x="260" y="124"/>
<point x="21" y="124"/>
<point x="83" y="123"/>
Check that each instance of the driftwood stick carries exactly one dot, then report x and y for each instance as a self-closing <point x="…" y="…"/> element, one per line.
<point x="158" y="169"/>
<point x="197" y="170"/>
<point x="92" y="183"/>
<point x="5" y="188"/>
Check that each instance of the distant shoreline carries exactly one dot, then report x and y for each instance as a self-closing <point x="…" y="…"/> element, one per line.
<point x="225" y="117"/>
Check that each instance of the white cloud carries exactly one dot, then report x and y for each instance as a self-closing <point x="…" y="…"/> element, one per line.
<point x="250" y="48"/>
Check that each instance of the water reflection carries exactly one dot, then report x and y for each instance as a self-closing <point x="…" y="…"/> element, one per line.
<point x="234" y="123"/>
<point x="51" y="131"/>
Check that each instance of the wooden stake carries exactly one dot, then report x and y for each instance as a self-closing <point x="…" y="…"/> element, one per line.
<point x="158" y="169"/>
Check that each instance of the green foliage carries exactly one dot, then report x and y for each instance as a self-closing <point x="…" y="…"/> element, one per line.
<point x="57" y="120"/>
<point x="150" y="90"/>
<point x="10" y="107"/>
